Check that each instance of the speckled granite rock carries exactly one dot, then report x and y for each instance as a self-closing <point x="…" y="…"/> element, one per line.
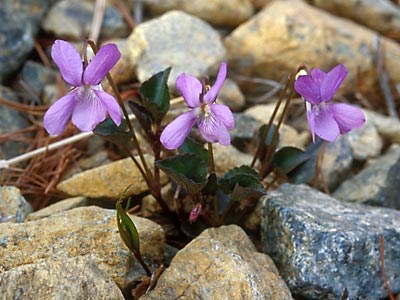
<point x="78" y="14"/>
<point x="214" y="12"/>
<point x="377" y="184"/>
<point x="365" y="142"/>
<point x="87" y="232"/>
<point x="321" y="245"/>
<point x="388" y="127"/>
<point x="179" y="40"/>
<point x="13" y="206"/>
<point x="72" y="278"/>
<point x="382" y="16"/>
<point x="286" y="34"/>
<point x="221" y="263"/>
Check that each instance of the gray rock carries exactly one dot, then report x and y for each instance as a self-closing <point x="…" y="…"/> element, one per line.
<point x="388" y="127"/>
<point x="365" y="142"/>
<point x="78" y="15"/>
<point x="72" y="278"/>
<point x="231" y="95"/>
<point x="321" y="245"/>
<point x="10" y="120"/>
<point x="215" y="12"/>
<point x="337" y="162"/>
<point x="177" y="40"/>
<point x="221" y="263"/>
<point x="13" y="205"/>
<point x="19" y="24"/>
<point x="377" y="184"/>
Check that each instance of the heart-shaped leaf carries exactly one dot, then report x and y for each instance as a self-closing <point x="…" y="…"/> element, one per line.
<point x="188" y="170"/>
<point x="191" y="146"/>
<point x="155" y="95"/>
<point x="287" y="159"/>
<point x="113" y="133"/>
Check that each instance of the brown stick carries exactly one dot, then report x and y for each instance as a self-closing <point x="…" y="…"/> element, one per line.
<point x="389" y="292"/>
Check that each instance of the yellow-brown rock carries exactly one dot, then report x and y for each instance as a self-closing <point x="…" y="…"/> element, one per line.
<point x="286" y="34"/>
<point x="221" y="263"/>
<point x="89" y="232"/>
<point x="108" y="181"/>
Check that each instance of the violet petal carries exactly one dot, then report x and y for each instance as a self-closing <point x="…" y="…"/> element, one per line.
<point x="311" y="119"/>
<point x="57" y="116"/>
<point x="332" y="82"/>
<point x="308" y="89"/>
<point x="215" y="132"/>
<point x="224" y="114"/>
<point x="190" y="88"/>
<point x="69" y="62"/>
<point x="111" y="105"/>
<point x="318" y="75"/>
<point x="212" y="93"/>
<point x="325" y="125"/>
<point x="176" y="132"/>
<point x="101" y="64"/>
<point x="347" y="116"/>
<point x="89" y="110"/>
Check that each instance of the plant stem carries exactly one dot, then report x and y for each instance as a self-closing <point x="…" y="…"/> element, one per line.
<point x="142" y="263"/>
<point x="211" y="165"/>
<point x="128" y="121"/>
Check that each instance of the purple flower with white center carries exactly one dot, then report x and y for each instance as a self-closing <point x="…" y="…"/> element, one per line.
<point x="327" y="120"/>
<point x="214" y="120"/>
<point x="87" y="102"/>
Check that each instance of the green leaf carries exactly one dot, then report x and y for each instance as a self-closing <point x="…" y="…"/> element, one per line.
<point x="127" y="230"/>
<point x="142" y="115"/>
<point x="188" y="170"/>
<point x="241" y="193"/>
<point x="155" y="95"/>
<point x="243" y="176"/>
<point x="113" y="133"/>
<point x="191" y="146"/>
<point x="287" y="159"/>
<point x="305" y="171"/>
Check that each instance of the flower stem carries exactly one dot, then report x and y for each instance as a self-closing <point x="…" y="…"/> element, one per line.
<point x="124" y="111"/>
<point x="211" y="165"/>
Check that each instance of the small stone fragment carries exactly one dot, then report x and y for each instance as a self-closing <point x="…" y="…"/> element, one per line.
<point x="321" y="245"/>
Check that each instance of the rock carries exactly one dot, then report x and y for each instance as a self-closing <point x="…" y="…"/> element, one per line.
<point x="87" y="232"/>
<point x="19" y="26"/>
<point x="388" y="127"/>
<point x="37" y="76"/>
<point x="215" y="12"/>
<point x="57" y="207"/>
<point x="247" y="127"/>
<point x="377" y="184"/>
<point x="10" y="120"/>
<point x="109" y="181"/>
<point x="221" y="263"/>
<point x="285" y="35"/>
<point x="13" y="206"/>
<point x="123" y="71"/>
<point x="365" y="142"/>
<point x="177" y="40"/>
<point x="78" y="15"/>
<point x="231" y="95"/>
<point x="72" y="278"/>
<point x="321" y="245"/>
<point x="337" y="162"/>
<point x="382" y="16"/>
<point x="228" y="157"/>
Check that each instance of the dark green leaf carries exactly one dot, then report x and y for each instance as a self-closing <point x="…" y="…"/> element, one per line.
<point x="113" y="133"/>
<point x="241" y="193"/>
<point x="127" y="230"/>
<point x="155" y="95"/>
<point x="141" y="114"/>
<point x="306" y="171"/>
<point x="191" y="146"/>
<point x="287" y="159"/>
<point x="243" y="176"/>
<point x="188" y="170"/>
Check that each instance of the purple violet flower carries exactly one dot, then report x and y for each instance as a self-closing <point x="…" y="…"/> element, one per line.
<point x="87" y="102"/>
<point x="327" y="120"/>
<point x="214" y="120"/>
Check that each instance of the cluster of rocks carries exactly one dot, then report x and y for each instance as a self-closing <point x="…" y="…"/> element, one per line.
<point x="314" y="246"/>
